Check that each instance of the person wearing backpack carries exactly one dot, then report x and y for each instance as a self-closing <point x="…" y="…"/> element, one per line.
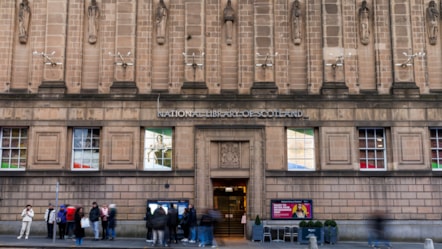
<point x="61" y="221"/>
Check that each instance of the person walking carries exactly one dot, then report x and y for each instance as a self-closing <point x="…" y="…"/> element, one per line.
<point x="79" y="231"/>
<point x="192" y="224"/>
<point x="159" y="222"/>
<point x="204" y="229"/>
<point x="27" y="214"/>
<point x="50" y="220"/>
<point x="112" y="221"/>
<point x="172" y="223"/>
<point x="94" y="217"/>
<point x="61" y="221"/>
<point x="104" y="214"/>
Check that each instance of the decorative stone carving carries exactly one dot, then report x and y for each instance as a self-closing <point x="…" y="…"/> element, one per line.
<point x="432" y="22"/>
<point x="364" y="23"/>
<point x="24" y="18"/>
<point x="230" y="154"/>
<point x="93" y="15"/>
<point x="229" y="19"/>
<point x="296" y="20"/>
<point x="161" y="17"/>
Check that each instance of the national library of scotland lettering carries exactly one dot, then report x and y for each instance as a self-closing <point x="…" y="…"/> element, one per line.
<point x="249" y="107"/>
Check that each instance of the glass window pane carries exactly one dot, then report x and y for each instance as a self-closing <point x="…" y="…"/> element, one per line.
<point x="158" y="149"/>
<point x="13" y="146"/>
<point x="300" y="149"/>
<point x="372" y="152"/>
<point x="86" y="148"/>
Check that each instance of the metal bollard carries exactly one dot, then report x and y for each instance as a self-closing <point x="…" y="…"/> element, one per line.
<point x="312" y="242"/>
<point x="428" y="244"/>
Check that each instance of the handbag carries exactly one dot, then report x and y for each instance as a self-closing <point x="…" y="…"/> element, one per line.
<point x="85" y="223"/>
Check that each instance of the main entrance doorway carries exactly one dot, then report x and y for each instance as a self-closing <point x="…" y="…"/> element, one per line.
<point x="230" y="198"/>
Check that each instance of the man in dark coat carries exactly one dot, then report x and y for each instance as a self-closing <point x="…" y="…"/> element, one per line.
<point x="172" y="222"/>
<point x="159" y="222"/>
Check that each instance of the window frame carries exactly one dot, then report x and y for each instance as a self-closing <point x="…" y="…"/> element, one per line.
<point x="18" y="147"/>
<point x="92" y="149"/>
<point x="436" y="149"/>
<point x="378" y="148"/>
<point x="313" y="149"/>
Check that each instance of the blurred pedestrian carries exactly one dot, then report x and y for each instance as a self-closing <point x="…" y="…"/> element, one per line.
<point x="377" y="234"/>
<point x="204" y="229"/>
<point x="27" y="214"/>
<point x="112" y="221"/>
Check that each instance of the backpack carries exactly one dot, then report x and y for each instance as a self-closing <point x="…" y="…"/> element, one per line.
<point x="61" y="217"/>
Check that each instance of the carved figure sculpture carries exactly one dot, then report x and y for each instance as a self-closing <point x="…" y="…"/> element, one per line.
<point x="364" y="23"/>
<point x="93" y="15"/>
<point x="161" y="22"/>
<point x="229" y="19"/>
<point x="24" y="17"/>
<point x="296" y="22"/>
<point x="432" y="22"/>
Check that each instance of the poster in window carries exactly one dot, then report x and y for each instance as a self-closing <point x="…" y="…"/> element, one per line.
<point x="158" y="149"/>
<point x="292" y="209"/>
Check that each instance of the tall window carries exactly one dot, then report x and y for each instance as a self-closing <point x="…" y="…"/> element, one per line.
<point x="14" y="148"/>
<point x="158" y="149"/>
<point x="301" y="149"/>
<point x="86" y="149"/>
<point x="372" y="153"/>
<point x="436" y="148"/>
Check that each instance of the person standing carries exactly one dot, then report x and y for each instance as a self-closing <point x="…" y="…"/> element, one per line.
<point x="172" y="223"/>
<point x="104" y="214"/>
<point x="79" y="231"/>
<point x="148" y="219"/>
<point x="192" y="224"/>
<point x="184" y="223"/>
<point x="94" y="216"/>
<point x="27" y="215"/>
<point x="70" y="221"/>
<point x="50" y="218"/>
<point x="112" y="220"/>
<point x="159" y="222"/>
<point x="61" y="221"/>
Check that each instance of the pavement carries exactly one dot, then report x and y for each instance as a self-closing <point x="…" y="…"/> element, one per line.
<point x="10" y="241"/>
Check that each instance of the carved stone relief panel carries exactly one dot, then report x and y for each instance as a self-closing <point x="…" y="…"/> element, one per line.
<point x="230" y="154"/>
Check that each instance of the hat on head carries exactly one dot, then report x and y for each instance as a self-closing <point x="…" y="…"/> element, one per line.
<point x="62" y="206"/>
<point x="112" y="206"/>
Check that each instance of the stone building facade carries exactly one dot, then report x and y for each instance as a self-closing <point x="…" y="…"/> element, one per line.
<point x="120" y="102"/>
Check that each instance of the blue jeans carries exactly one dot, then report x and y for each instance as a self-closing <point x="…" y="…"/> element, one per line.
<point x="203" y="235"/>
<point x="193" y="233"/>
<point x="78" y="241"/>
<point x="111" y="232"/>
<point x="96" y="228"/>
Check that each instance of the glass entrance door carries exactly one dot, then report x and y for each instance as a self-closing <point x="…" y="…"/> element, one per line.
<point x="230" y="199"/>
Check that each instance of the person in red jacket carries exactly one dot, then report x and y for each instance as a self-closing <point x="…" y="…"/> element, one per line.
<point x="70" y="221"/>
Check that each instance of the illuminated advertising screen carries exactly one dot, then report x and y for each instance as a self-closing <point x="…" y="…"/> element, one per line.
<point x="292" y="209"/>
<point x="180" y="205"/>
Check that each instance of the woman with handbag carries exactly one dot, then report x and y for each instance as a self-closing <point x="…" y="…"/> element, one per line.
<point x="79" y="230"/>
